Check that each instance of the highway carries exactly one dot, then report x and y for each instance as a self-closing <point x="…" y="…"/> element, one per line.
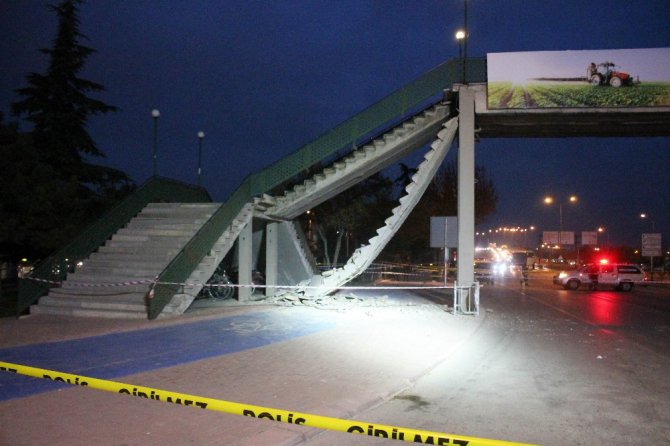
<point x="642" y="315"/>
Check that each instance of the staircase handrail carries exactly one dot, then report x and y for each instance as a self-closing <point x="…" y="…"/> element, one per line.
<point x="397" y="104"/>
<point x="170" y="280"/>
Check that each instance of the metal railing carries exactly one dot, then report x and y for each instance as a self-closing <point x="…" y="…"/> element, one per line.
<point x="466" y="298"/>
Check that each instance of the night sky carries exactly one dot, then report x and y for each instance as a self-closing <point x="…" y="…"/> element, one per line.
<point x="262" y="78"/>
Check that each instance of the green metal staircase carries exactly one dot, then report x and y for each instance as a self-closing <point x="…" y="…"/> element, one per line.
<point x="394" y="110"/>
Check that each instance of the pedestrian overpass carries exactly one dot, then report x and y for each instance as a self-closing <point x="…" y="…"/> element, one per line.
<point x="167" y="239"/>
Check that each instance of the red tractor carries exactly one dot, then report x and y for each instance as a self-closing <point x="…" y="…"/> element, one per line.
<point x="605" y="74"/>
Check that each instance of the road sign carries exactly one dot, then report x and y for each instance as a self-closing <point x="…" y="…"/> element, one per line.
<point x="553" y="238"/>
<point x="444" y="232"/>
<point x="589" y="238"/>
<point x="651" y="245"/>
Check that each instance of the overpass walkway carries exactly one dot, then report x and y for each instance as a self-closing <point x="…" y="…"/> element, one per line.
<point x="423" y="115"/>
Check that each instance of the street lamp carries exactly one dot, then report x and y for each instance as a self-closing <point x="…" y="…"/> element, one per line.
<point x="155" y="114"/>
<point x="548" y="200"/>
<point x="201" y="136"/>
<point x="460" y="38"/>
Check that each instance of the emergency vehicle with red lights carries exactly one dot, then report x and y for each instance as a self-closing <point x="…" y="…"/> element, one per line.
<point x="620" y="276"/>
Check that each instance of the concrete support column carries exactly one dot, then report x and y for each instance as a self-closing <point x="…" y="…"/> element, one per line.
<point x="271" y="257"/>
<point x="244" y="261"/>
<point x="466" y="185"/>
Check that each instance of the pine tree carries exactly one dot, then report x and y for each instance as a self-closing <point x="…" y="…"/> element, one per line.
<point x="51" y="189"/>
<point x="58" y="105"/>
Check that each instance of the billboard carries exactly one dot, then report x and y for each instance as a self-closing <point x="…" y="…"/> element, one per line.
<point x="589" y="238"/>
<point x="579" y="79"/>
<point x="651" y="245"/>
<point x="556" y="238"/>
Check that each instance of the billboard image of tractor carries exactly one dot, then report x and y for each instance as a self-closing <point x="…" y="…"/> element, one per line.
<point x="578" y="79"/>
<point x="605" y="74"/>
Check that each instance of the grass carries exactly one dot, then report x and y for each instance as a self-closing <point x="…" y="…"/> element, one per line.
<point x="550" y="95"/>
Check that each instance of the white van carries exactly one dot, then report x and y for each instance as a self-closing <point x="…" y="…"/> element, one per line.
<point x="621" y="276"/>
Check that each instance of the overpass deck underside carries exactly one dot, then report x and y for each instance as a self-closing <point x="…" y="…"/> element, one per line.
<point x="568" y="122"/>
<point x="573" y="123"/>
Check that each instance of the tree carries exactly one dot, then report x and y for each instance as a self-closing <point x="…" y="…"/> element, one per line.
<point x="440" y="199"/>
<point x="55" y="187"/>
<point x="352" y="216"/>
<point x="406" y="174"/>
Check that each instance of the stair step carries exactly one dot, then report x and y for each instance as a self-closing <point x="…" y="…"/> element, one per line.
<point x="151" y="243"/>
<point x="79" y="289"/>
<point x="109" y="258"/>
<point x="120" y="250"/>
<point x="103" y="272"/>
<point x="127" y="302"/>
<point x="164" y="220"/>
<point x="166" y="231"/>
<point x="85" y="312"/>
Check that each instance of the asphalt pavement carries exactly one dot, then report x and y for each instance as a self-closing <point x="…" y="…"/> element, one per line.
<point x="520" y="371"/>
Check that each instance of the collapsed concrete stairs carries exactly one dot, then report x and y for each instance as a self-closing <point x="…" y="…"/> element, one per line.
<point x="362" y="257"/>
<point x="357" y="165"/>
<point x="113" y="282"/>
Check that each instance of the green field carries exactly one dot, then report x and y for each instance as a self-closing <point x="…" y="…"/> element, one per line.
<point x="505" y="95"/>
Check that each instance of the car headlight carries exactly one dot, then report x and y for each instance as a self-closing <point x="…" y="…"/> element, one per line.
<point x="562" y="275"/>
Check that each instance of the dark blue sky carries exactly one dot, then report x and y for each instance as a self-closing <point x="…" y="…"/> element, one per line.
<point x="261" y="78"/>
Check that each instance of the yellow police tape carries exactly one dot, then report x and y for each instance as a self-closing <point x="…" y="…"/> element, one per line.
<point x="282" y="416"/>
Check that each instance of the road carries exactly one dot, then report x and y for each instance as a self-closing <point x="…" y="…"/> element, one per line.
<point x="548" y="366"/>
<point x="642" y="316"/>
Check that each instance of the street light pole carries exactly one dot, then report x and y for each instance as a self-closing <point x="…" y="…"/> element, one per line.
<point x="155" y="114"/>
<point x="465" y="29"/>
<point x="602" y="229"/>
<point x="550" y="200"/>
<point x="560" y="224"/>
<point x="644" y="216"/>
<point x="460" y="37"/>
<point x="201" y="136"/>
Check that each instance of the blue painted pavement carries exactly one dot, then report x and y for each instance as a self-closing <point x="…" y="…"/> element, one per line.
<point x="114" y="355"/>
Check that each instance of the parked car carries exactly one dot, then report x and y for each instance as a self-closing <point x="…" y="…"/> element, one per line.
<point x="620" y="276"/>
